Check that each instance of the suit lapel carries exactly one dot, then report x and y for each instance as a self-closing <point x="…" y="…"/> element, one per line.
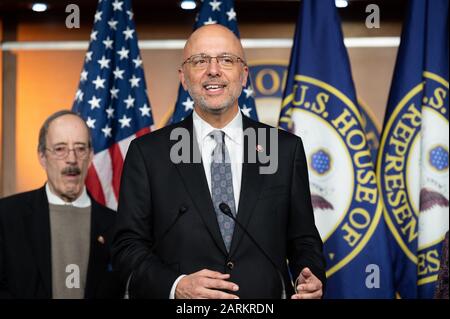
<point x="251" y="184"/>
<point x="194" y="179"/>
<point x="98" y="252"/>
<point x="39" y="229"/>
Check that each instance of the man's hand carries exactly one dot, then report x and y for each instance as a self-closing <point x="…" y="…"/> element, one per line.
<point x="204" y="284"/>
<point x="308" y="286"/>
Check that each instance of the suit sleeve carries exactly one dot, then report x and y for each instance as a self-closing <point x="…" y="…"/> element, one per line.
<point x="132" y="242"/>
<point x="4" y="291"/>
<point x="304" y="242"/>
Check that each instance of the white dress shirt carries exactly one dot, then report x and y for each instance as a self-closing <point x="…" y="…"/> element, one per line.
<point x="234" y="141"/>
<point x="82" y="201"/>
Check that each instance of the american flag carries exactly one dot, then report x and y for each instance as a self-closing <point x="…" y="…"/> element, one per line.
<point x="212" y="12"/>
<point x="112" y="96"/>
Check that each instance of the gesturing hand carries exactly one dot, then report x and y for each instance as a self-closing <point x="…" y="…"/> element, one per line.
<point x="307" y="286"/>
<point x="205" y="284"/>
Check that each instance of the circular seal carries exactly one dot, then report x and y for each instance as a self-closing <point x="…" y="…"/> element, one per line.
<point x="413" y="173"/>
<point x="341" y="172"/>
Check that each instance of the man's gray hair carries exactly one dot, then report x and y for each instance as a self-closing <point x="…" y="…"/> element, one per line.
<point x="42" y="145"/>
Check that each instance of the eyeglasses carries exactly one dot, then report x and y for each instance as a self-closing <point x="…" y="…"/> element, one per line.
<point x="62" y="151"/>
<point x="201" y="61"/>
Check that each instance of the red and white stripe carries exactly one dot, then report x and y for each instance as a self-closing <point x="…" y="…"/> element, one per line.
<point x="103" y="178"/>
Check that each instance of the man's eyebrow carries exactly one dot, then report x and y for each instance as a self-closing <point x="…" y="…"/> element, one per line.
<point x="219" y="54"/>
<point x="75" y="143"/>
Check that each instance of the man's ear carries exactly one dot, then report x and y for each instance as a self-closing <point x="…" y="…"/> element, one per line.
<point x="42" y="160"/>
<point x="244" y="76"/>
<point x="181" y="77"/>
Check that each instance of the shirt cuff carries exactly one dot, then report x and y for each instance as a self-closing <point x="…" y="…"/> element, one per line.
<point x="174" y="287"/>
<point x="127" y="288"/>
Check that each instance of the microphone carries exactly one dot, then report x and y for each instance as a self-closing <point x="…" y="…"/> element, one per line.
<point x="181" y="211"/>
<point x="225" y="209"/>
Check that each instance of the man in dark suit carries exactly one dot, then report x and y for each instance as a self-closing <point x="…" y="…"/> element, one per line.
<point x="54" y="241"/>
<point x="173" y="239"/>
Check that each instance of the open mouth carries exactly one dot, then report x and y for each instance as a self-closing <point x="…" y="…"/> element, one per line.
<point x="71" y="172"/>
<point x="71" y="176"/>
<point x="214" y="87"/>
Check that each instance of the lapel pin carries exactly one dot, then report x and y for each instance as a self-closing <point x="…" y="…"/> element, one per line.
<point x="101" y="239"/>
<point x="259" y="148"/>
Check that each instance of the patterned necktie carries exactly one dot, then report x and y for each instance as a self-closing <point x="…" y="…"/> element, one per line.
<point x="222" y="186"/>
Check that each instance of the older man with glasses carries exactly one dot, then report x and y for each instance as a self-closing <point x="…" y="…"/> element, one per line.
<point x="54" y="241"/>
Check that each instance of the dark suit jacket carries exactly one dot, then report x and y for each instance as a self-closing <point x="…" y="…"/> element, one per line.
<point x="276" y="209"/>
<point x="25" y="249"/>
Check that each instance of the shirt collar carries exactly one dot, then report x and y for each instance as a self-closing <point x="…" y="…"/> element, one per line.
<point x="82" y="201"/>
<point x="234" y="129"/>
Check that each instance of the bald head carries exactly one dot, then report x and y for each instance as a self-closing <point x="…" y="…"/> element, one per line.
<point x="214" y="84"/>
<point x="210" y="37"/>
